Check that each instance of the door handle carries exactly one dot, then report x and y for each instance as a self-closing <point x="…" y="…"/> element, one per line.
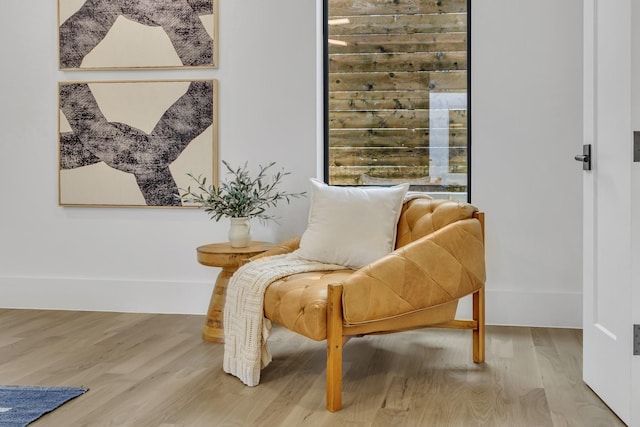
<point x="585" y="157"/>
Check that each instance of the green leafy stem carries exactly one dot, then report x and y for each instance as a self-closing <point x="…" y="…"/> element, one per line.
<point x="241" y="196"/>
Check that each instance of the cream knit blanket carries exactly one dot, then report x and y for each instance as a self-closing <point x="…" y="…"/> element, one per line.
<point x="245" y="328"/>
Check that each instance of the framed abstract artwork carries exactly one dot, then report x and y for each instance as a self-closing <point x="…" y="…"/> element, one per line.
<point x="129" y="34"/>
<point x="132" y="143"/>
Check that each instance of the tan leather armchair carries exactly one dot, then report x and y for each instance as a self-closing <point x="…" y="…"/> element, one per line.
<point x="439" y="258"/>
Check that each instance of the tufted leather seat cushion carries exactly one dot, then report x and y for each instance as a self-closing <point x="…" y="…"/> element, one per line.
<point x="299" y="302"/>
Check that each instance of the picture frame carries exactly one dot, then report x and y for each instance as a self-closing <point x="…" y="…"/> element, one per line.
<point x="120" y="34"/>
<point x="132" y="143"/>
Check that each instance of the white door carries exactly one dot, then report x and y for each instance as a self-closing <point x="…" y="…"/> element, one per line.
<point x="607" y="261"/>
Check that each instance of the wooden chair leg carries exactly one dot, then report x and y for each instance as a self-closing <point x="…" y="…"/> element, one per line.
<point x="334" y="347"/>
<point x="479" y="331"/>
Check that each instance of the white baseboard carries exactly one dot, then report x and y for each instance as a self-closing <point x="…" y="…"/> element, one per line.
<point x="532" y="308"/>
<point x="137" y="296"/>
<point x="516" y="308"/>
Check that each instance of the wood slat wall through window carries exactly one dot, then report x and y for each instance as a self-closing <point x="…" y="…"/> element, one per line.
<point x="387" y="59"/>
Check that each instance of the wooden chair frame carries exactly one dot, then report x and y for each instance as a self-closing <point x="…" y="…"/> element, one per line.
<point x="336" y="340"/>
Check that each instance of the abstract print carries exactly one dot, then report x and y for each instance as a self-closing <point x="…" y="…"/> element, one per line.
<point x="180" y="20"/>
<point x="146" y="155"/>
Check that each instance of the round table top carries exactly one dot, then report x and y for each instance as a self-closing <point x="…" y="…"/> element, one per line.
<point x="226" y="248"/>
<point x="224" y="255"/>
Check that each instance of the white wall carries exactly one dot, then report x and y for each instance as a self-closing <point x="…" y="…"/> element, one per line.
<point x="145" y="259"/>
<point x="526" y="129"/>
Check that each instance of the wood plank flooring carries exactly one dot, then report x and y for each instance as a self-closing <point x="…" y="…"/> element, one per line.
<point x="155" y="370"/>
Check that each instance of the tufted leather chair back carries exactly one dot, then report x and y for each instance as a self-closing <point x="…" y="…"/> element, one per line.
<point x="421" y="217"/>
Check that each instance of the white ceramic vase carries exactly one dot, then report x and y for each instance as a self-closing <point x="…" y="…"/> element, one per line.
<point x="239" y="232"/>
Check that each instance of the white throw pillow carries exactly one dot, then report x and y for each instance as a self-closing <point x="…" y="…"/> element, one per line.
<point x="351" y="226"/>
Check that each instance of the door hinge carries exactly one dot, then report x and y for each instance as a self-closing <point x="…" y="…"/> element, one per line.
<point x="636" y="340"/>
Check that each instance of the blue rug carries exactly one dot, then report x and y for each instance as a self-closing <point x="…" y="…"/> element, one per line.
<point x="20" y="406"/>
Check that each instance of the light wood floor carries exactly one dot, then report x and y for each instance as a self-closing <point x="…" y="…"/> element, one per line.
<point x="154" y="370"/>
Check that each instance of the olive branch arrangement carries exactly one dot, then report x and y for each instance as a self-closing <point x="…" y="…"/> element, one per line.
<point x="241" y="196"/>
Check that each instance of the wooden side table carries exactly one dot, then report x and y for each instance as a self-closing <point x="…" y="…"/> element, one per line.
<point x="229" y="259"/>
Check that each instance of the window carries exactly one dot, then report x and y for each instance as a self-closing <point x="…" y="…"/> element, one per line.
<point x="397" y="94"/>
